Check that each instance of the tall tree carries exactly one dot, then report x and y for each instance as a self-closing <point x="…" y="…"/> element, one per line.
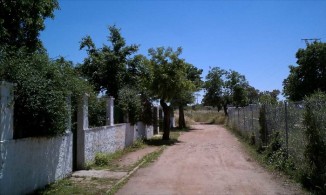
<point x="169" y="78"/>
<point x="21" y="22"/>
<point x="107" y="67"/>
<point x="310" y="74"/>
<point x="186" y="96"/>
<point x="225" y="87"/>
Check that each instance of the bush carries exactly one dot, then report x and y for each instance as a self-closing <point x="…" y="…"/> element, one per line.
<point x="137" y="106"/>
<point x="129" y="101"/>
<point x="315" y="132"/>
<point x="41" y="92"/>
<point x="96" y="111"/>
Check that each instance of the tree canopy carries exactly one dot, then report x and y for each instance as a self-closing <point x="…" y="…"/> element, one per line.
<point x="310" y="74"/>
<point x="107" y="67"/>
<point x="225" y="87"/>
<point x="21" y="22"/>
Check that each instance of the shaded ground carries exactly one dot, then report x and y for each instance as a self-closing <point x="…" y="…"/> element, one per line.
<point x="207" y="160"/>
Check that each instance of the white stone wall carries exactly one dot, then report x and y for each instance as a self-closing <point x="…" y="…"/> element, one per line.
<point x="31" y="163"/>
<point x="106" y="139"/>
<point x="109" y="139"/>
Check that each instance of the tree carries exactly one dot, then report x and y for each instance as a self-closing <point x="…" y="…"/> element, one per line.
<point x="107" y="67"/>
<point x="253" y="95"/>
<point x="310" y="74"/>
<point x="225" y="87"/>
<point x="21" y="22"/>
<point x="169" y="78"/>
<point x="269" y="97"/>
<point x="186" y="96"/>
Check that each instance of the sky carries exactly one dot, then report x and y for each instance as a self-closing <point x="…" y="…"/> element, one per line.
<point x="258" y="39"/>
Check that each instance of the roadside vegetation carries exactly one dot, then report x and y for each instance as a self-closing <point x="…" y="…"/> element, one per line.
<point x="303" y="162"/>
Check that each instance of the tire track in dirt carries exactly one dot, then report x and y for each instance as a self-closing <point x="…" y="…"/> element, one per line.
<point x="208" y="160"/>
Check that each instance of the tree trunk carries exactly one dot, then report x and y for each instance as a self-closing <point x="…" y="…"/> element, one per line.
<point x="225" y="108"/>
<point x="166" y="120"/>
<point x="182" y="122"/>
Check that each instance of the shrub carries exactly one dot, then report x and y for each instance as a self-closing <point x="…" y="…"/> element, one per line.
<point x="42" y="88"/>
<point x="135" y="105"/>
<point x="315" y="132"/>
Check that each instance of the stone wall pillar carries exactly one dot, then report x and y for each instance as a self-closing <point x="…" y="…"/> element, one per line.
<point x="110" y="111"/>
<point x="6" y="110"/>
<point x="82" y="125"/>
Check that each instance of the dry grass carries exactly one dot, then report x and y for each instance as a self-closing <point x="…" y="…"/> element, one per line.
<point x="201" y="116"/>
<point x="206" y="116"/>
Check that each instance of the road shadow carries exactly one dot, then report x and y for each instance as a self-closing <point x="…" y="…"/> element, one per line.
<point x="160" y="142"/>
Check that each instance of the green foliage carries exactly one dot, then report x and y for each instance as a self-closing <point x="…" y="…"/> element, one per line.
<point x="310" y="74"/>
<point x="268" y="97"/>
<point x="130" y="103"/>
<point x="315" y="153"/>
<point x="107" y="67"/>
<point x="96" y="111"/>
<point x="40" y="95"/>
<point x="169" y="73"/>
<point x="225" y="87"/>
<point x="21" y="22"/>
<point x="121" y="74"/>
<point x="169" y="80"/>
<point x="41" y="92"/>
<point x="101" y="159"/>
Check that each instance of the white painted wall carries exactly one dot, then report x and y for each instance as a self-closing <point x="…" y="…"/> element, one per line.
<point x="31" y="163"/>
<point x="106" y="139"/>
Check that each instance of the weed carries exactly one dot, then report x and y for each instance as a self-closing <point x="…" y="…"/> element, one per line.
<point x="101" y="159"/>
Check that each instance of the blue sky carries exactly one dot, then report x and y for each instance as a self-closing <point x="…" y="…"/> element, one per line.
<point x="258" y="39"/>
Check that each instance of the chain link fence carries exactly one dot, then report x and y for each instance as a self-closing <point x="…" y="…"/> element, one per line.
<point x="261" y="123"/>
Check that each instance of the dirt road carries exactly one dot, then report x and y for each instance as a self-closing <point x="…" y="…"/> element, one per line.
<point x="208" y="160"/>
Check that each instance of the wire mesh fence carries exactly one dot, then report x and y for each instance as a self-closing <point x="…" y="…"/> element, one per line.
<point x="262" y="123"/>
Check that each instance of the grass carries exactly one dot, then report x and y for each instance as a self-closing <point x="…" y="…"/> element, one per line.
<point x="81" y="186"/>
<point x="206" y="116"/>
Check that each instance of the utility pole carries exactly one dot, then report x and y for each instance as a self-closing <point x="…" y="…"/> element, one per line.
<point x="312" y="39"/>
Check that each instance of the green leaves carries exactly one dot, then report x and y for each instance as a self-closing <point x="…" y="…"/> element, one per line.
<point x="310" y="74"/>
<point x="41" y="92"/>
<point x="107" y="67"/>
<point x="225" y="87"/>
<point x="169" y="73"/>
<point x="21" y="22"/>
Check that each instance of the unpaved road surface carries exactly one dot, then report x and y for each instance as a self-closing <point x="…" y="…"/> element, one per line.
<point x="208" y="160"/>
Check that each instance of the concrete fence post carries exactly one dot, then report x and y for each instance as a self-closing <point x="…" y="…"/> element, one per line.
<point x="110" y="111"/>
<point x="6" y="110"/>
<point x="82" y="125"/>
